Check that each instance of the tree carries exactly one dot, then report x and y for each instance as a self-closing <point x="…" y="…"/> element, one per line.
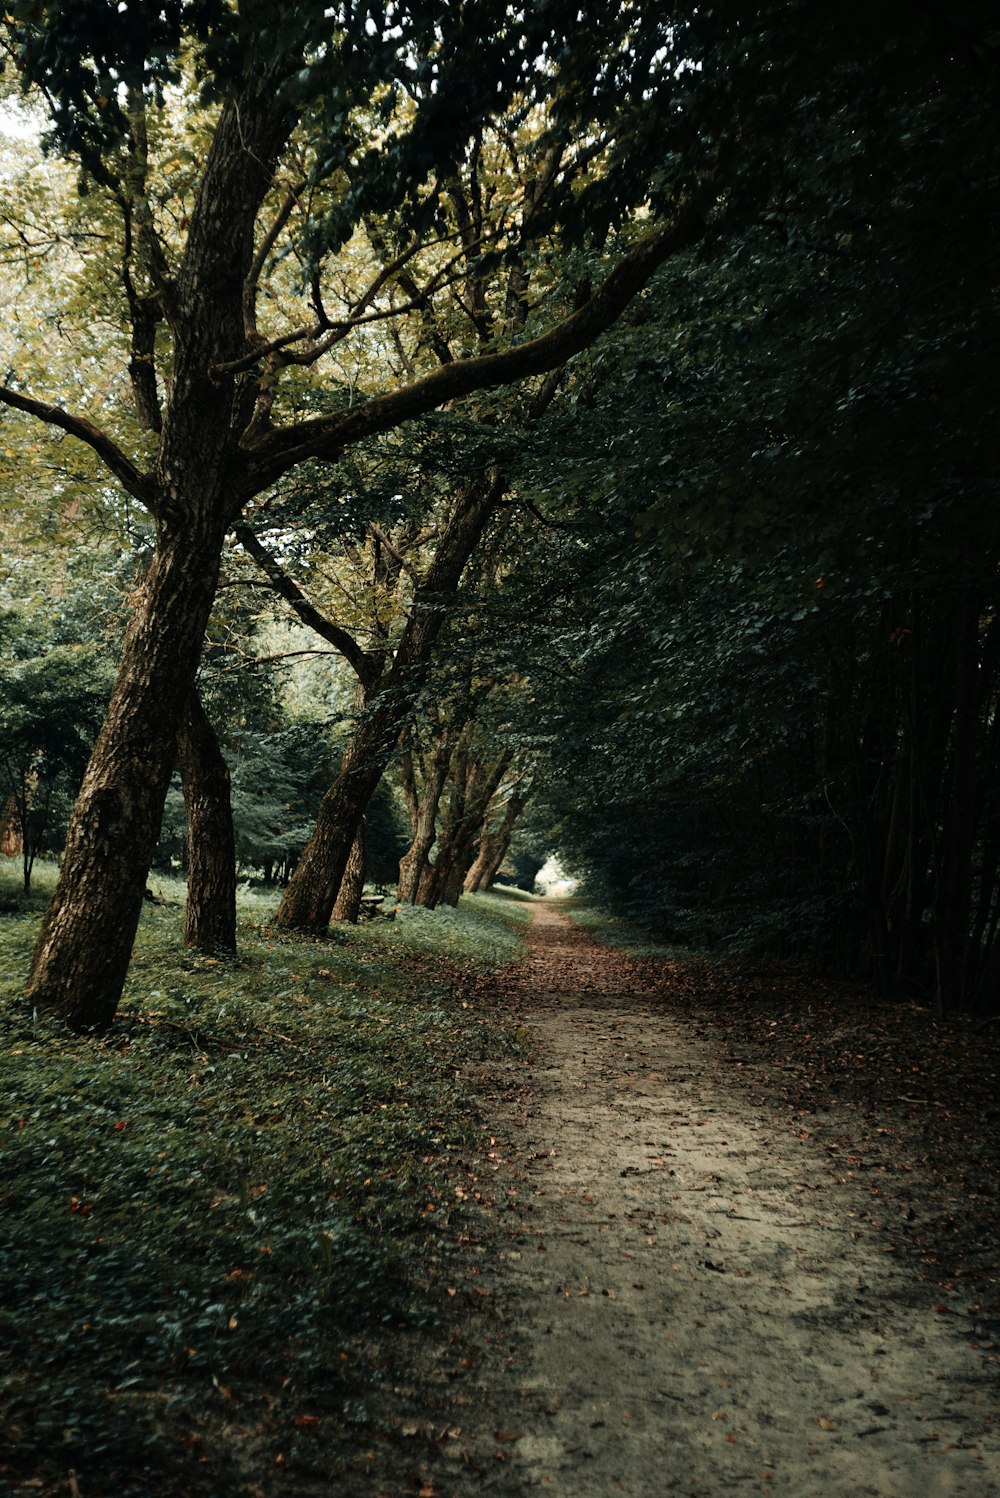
<point x="497" y="831"/>
<point x="290" y="100"/>
<point x="789" y="660"/>
<point x="52" y="706"/>
<point x="210" y="918"/>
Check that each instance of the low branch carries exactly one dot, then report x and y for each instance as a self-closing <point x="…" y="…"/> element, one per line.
<point x="250" y="662"/>
<point x="138" y="484"/>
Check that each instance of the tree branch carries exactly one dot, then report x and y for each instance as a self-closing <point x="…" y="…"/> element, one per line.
<point x="326" y="437"/>
<point x="345" y="644"/>
<point x="339" y="329"/>
<point x="267" y="244"/>
<point x="138" y="484"/>
<point x="383" y="540"/>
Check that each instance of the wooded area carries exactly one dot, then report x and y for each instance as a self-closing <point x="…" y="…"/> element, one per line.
<point x="434" y="439"/>
<point x="465" y="436"/>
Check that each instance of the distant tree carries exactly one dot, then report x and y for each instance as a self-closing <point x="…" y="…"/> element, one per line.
<point x="51" y="705"/>
<point x="497" y="831"/>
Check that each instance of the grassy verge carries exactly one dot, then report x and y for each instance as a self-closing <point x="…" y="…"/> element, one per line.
<point x="616" y="932"/>
<point x="211" y="1211"/>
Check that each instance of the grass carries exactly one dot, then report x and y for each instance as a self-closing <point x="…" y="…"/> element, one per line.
<point x="212" y="1209"/>
<point x="618" y="932"/>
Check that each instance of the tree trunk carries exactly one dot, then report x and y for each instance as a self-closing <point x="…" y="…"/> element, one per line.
<point x="475" y="787"/>
<point x="413" y="864"/>
<point x="493" y="845"/>
<point x="83" y="950"/>
<point x="210" y="924"/>
<point x="307" y="904"/>
<point x="11" y="836"/>
<point x="348" y="901"/>
<point x="434" y="875"/>
<point x="489" y="857"/>
<point x="454" y="879"/>
<point x="308" y="901"/>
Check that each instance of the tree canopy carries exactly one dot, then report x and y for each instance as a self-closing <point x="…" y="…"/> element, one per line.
<point x="651" y="344"/>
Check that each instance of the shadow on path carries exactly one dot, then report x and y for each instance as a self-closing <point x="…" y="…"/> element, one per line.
<point x="695" y="1309"/>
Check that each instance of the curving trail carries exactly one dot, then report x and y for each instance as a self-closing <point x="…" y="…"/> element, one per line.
<point x="693" y="1310"/>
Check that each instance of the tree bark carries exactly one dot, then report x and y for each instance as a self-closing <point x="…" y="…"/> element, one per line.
<point x="83" y="950"/>
<point x="308" y="901"/>
<point x="413" y="864"/>
<point x="352" y="885"/>
<point x="210" y="923"/>
<point x="476" y="785"/>
<point x="11" y="835"/>
<point x="493" y="845"/>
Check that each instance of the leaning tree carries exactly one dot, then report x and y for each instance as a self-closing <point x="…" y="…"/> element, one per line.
<point x="232" y="154"/>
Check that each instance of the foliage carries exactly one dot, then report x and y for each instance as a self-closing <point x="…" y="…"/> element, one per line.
<point x="53" y="692"/>
<point x="767" y="681"/>
<point x="211" y="1210"/>
<point x="743" y="571"/>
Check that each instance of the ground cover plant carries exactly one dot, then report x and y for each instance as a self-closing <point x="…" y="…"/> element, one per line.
<point x="212" y="1214"/>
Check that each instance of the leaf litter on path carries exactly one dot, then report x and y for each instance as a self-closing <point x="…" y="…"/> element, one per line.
<point x="696" y="1291"/>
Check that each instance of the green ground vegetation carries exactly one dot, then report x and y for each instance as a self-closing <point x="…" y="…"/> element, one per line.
<point x="207" y="1212"/>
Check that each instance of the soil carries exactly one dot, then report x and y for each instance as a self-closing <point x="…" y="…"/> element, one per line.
<point x="706" y="1264"/>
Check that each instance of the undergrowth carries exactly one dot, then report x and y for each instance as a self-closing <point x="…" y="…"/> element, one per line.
<point x="210" y="1208"/>
<point x="617" y="932"/>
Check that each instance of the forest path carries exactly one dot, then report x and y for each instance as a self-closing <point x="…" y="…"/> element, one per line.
<point x="695" y="1309"/>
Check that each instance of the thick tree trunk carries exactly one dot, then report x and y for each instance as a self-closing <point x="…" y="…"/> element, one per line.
<point x="210" y="924"/>
<point x="475" y="788"/>
<point x="454" y="881"/>
<point x="476" y="879"/>
<point x="498" y="855"/>
<point x="83" y="950"/>
<point x="11" y="836"/>
<point x="352" y="886"/>
<point x="493" y="845"/>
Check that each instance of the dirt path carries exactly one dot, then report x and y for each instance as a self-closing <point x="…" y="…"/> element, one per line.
<point x="695" y="1307"/>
